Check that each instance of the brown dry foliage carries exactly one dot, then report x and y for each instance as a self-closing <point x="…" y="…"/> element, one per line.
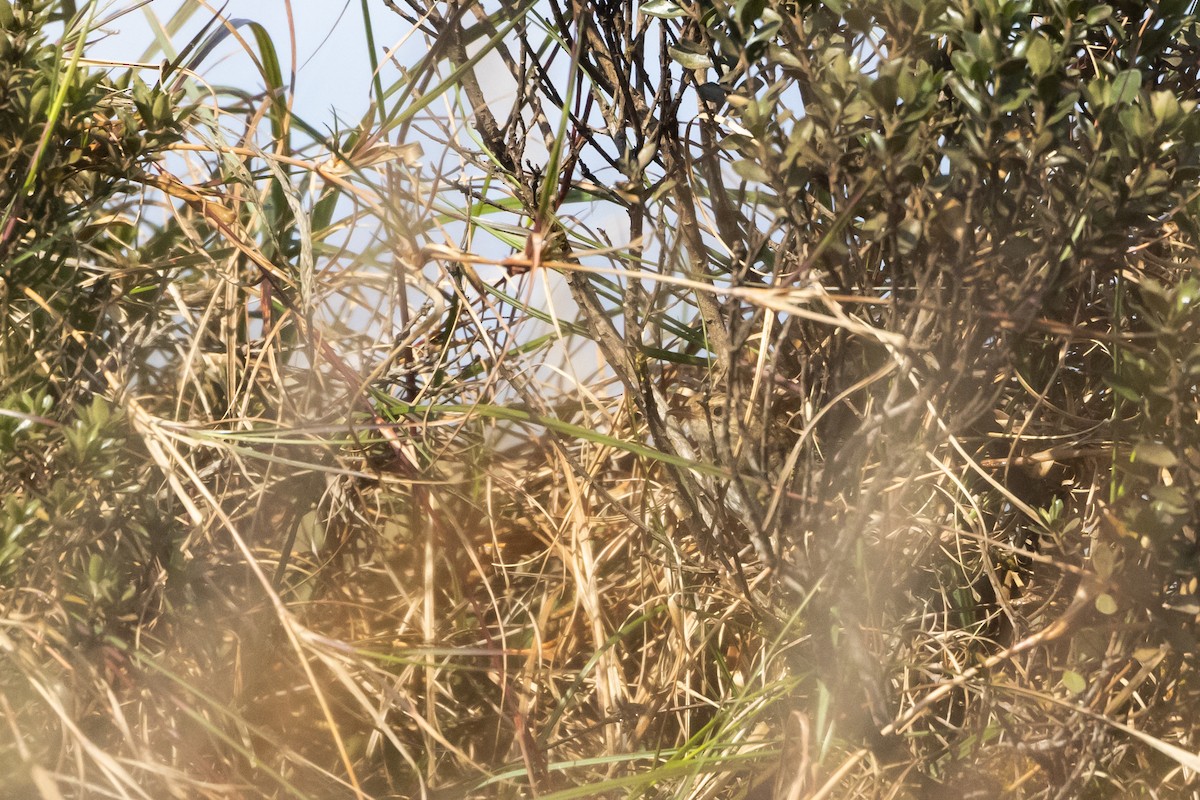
<point x="766" y="399"/>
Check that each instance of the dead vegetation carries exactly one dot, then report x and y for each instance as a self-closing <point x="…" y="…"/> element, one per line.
<point x="758" y="400"/>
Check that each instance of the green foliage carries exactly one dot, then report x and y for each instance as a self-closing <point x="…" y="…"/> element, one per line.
<point x="70" y="168"/>
<point x="1156" y="483"/>
<point x="74" y="145"/>
<point x="1007" y="174"/>
<point x="83" y="544"/>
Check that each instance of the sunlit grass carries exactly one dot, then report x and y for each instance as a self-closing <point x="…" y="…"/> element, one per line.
<point x="548" y="452"/>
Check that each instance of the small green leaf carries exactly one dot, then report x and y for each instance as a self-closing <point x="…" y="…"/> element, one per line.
<point x="1104" y="560"/>
<point x="963" y="62"/>
<point x="751" y="171"/>
<point x="1073" y="681"/>
<point x="663" y="9"/>
<point x="1098" y="92"/>
<point x="783" y="56"/>
<point x="1097" y="14"/>
<point x="885" y="90"/>
<point x="1122" y="388"/>
<point x="749" y="12"/>
<point x="95" y="568"/>
<point x="1169" y="500"/>
<point x="967" y="96"/>
<point x="1165" y="107"/>
<point x="1155" y="454"/>
<point x="1039" y="55"/>
<point x="770" y="24"/>
<point x="38" y="104"/>
<point x="1125" y="87"/>
<point x="1187" y="294"/>
<point x="160" y="109"/>
<point x="1106" y="605"/>
<point x="689" y="59"/>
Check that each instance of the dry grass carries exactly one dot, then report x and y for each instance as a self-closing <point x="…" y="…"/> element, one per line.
<point x="409" y="476"/>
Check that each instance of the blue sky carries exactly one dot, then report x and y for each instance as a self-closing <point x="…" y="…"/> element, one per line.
<point x="333" y="80"/>
<point x="331" y="52"/>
